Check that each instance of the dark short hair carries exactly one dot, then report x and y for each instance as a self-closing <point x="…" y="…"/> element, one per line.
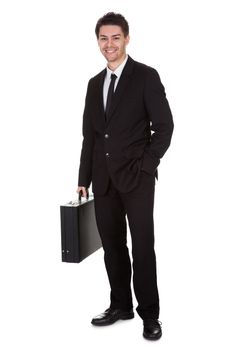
<point x="112" y="18"/>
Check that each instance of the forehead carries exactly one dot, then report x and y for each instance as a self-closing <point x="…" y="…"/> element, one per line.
<point x="109" y="30"/>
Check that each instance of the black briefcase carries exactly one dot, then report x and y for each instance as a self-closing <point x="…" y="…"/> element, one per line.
<point x="79" y="233"/>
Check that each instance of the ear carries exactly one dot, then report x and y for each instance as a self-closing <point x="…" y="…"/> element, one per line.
<point x="127" y="39"/>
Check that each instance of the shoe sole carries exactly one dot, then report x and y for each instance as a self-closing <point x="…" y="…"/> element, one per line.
<point x="122" y="317"/>
<point x="153" y="338"/>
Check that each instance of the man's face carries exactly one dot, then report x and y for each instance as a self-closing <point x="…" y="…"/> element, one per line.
<point x="112" y="43"/>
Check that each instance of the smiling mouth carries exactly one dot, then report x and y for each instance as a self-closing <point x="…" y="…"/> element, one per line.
<point x="110" y="51"/>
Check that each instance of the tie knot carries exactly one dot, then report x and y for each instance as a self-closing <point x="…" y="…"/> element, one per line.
<point x="113" y="77"/>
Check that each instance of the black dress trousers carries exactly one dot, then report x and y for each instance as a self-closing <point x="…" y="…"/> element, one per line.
<point x="111" y="210"/>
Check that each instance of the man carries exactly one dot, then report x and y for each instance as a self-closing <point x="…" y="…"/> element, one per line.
<point x="127" y="128"/>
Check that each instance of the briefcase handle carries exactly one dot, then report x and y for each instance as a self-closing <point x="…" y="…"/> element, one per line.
<point x="80" y="196"/>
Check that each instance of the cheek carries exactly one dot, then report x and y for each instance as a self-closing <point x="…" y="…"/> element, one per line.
<point x="121" y="47"/>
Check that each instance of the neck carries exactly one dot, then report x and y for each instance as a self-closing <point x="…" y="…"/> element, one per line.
<point x="113" y="65"/>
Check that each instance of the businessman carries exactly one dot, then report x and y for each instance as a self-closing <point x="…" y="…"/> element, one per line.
<point x="127" y="128"/>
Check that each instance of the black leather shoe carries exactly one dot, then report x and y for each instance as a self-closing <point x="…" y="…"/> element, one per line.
<point x="110" y="316"/>
<point x="152" y="329"/>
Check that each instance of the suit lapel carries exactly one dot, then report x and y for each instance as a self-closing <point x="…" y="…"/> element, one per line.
<point x="121" y="86"/>
<point x="99" y="103"/>
<point x="100" y="88"/>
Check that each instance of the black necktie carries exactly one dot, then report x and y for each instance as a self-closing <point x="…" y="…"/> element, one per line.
<point x="110" y="95"/>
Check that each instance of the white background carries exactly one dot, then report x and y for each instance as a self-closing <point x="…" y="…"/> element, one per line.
<point x="48" y="53"/>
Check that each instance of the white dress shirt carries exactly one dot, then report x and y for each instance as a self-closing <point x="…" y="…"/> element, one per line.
<point x="107" y="80"/>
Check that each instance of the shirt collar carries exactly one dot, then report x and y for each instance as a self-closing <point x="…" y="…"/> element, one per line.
<point x="119" y="69"/>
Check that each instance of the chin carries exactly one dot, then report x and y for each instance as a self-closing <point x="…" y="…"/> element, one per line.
<point x="111" y="59"/>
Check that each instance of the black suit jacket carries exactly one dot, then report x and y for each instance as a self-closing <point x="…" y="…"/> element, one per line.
<point x="136" y="135"/>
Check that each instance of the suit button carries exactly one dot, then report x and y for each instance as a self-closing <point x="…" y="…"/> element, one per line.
<point x="106" y="136"/>
<point x="107" y="154"/>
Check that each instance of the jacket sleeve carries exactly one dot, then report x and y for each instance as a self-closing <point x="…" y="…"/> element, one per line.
<point x="85" y="168"/>
<point x="161" y="122"/>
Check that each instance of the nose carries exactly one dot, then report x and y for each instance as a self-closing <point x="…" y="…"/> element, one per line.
<point x="109" y="43"/>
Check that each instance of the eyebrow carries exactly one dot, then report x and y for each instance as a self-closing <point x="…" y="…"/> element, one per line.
<point x="105" y="36"/>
